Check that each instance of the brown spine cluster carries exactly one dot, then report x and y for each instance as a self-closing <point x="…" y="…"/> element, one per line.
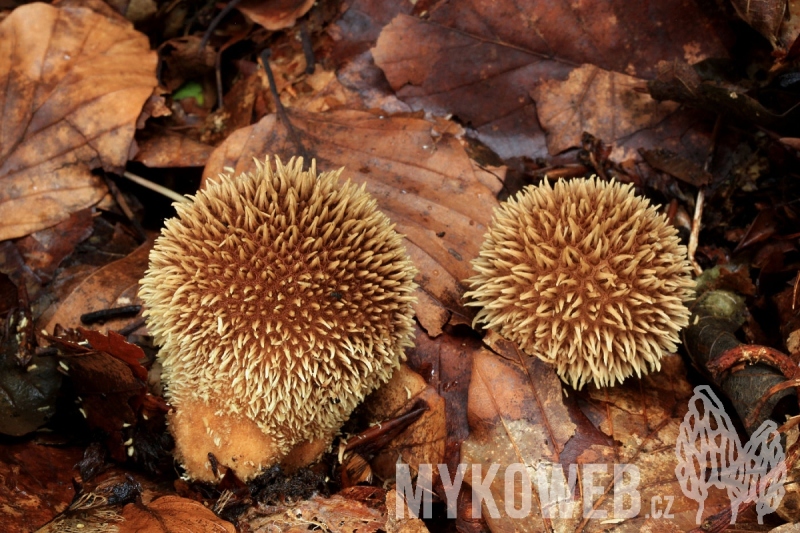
<point x="282" y="297"/>
<point x="585" y="275"/>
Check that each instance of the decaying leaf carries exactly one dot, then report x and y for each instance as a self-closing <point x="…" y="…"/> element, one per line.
<point x="335" y="514"/>
<point x="171" y="514"/>
<point x="36" y="484"/>
<point x="423" y="441"/>
<point x="419" y="175"/>
<point x="603" y="103"/>
<point x="765" y="16"/>
<point x="479" y="61"/>
<point x="75" y="84"/>
<point x="275" y="15"/>
<point x="518" y="415"/>
<point x="114" y="285"/>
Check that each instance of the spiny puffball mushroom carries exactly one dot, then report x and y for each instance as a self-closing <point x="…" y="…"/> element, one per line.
<point x="585" y="275"/>
<point x="279" y="299"/>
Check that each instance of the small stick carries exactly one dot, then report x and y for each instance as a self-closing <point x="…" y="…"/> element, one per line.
<point x="130" y="328"/>
<point x="214" y="23"/>
<point x="126" y="209"/>
<point x="107" y="314"/>
<point x="694" y="236"/>
<point x="169" y="193"/>
<point x="284" y="117"/>
<point x="308" y="50"/>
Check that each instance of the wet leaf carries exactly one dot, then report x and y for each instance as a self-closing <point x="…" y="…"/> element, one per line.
<point x="600" y="102"/>
<point x="418" y="173"/>
<point x="75" y="83"/>
<point x="171" y="514"/>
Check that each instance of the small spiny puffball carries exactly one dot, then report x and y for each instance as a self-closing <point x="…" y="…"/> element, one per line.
<point x="585" y="275"/>
<point x="279" y="299"/>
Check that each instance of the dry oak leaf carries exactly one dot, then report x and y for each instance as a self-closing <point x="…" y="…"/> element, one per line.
<point x="478" y="60"/>
<point x="75" y="82"/>
<point x="601" y="102"/>
<point x="171" y="514"/>
<point x="420" y="176"/>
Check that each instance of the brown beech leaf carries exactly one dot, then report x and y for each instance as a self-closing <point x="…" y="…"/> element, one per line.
<point x="419" y="174"/>
<point x="36" y="483"/>
<point x="519" y="414"/>
<point x="114" y="285"/>
<point x="164" y="149"/>
<point x="423" y="441"/>
<point x="275" y="14"/>
<point x="480" y="60"/>
<point x="603" y="103"/>
<point x="75" y="83"/>
<point x="171" y="514"/>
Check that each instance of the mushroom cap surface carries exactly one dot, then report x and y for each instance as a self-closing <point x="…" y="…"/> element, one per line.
<point x="585" y="275"/>
<point x="280" y="297"/>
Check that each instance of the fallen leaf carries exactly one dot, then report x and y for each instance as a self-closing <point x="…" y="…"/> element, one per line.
<point x="518" y="414"/>
<point x="113" y="285"/>
<point x="764" y="16"/>
<point x="335" y="514"/>
<point x="36" y="483"/>
<point x="75" y="84"/>
<point x="423" y="441"/>
<point x="479" y="61"/>
<point x="44" y="250"/>
<point x="165" y="149"/>
<point x="675" y="165"/>
<point x="418" y="173"/>
<point x="600" y="102"/>
<point x="171" y="514"/>
<point x="276" y="14"/>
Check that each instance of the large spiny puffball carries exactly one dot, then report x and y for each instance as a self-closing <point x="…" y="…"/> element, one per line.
<point x="279" y="299"/>
<point x="585" y="275"/>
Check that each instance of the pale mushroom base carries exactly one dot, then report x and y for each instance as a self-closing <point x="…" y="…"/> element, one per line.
<point x="200" y="428"/>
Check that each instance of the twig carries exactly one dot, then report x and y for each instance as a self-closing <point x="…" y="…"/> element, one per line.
<point x="282" y="115"/>
<point x="214" y="23"/>
<point x="694" y="236"/>
<point x="308" y="50"/>
<point x="169" y="193"/>
<point x="126" y="209"/>
<point x="107" y="314"/>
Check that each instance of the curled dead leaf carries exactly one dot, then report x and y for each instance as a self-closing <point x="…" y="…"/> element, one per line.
<point x="75" y="83"/>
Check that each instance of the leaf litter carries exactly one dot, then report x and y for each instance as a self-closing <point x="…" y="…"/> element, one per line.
<point x="441" y="112"/>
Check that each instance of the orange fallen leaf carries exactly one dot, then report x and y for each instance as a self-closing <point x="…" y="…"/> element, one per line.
<point x="171" y="514"/>
<point x="276" y="14"/>
<point x="75" y="83"/>
<point x="419" y="174"/>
